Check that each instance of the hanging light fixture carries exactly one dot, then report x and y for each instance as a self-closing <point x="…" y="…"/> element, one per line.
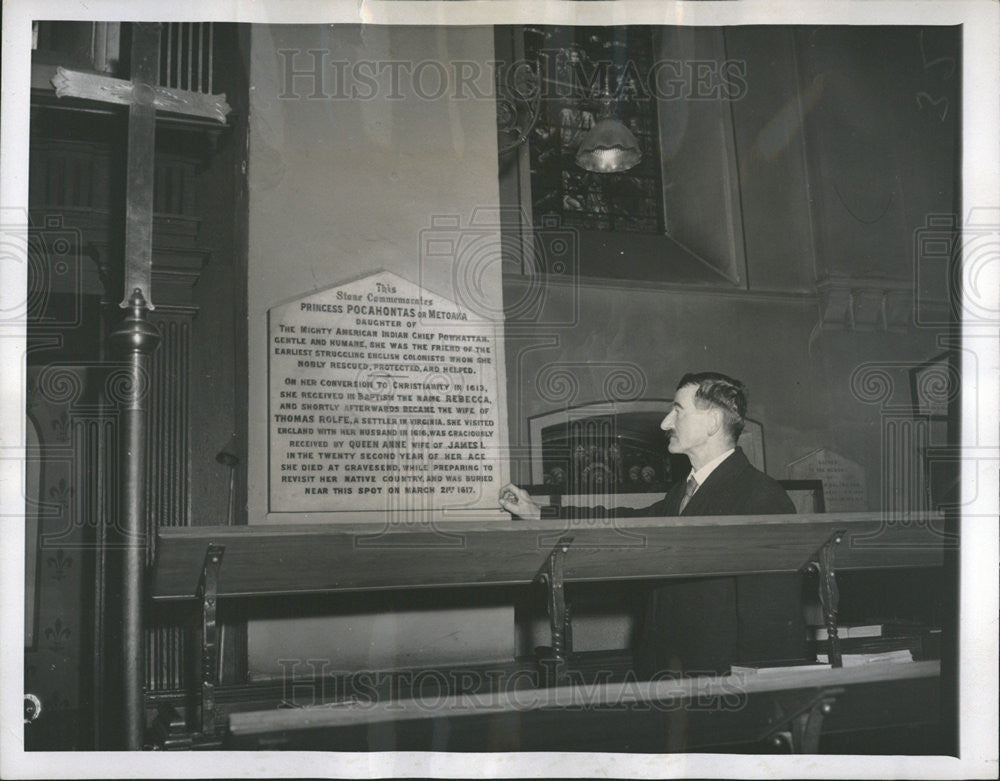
<point x="609" y="147"/>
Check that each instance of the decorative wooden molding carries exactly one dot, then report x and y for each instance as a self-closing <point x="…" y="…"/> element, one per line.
<point x="91" y="86"/>
<point x="857" y="304"/>
<point x="175" y="273"/>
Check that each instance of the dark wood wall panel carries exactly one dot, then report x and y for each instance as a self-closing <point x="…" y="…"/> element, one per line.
<point x="167" y="477"/>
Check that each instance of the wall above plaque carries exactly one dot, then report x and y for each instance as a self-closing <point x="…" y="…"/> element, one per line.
<point x="383" y="396"/>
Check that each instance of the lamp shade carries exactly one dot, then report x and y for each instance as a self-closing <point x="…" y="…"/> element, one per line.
<point x="609" y="147"/>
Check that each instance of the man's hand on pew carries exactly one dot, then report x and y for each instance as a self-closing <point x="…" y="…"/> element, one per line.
<point x="517" y="502"/>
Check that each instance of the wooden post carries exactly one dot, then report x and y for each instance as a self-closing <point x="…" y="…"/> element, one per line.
<point x="136" y="338"/>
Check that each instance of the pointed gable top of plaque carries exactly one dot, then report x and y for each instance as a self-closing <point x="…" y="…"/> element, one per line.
<point x="386" y="289"/>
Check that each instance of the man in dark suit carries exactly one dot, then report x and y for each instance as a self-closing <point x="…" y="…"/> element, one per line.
<point x="704" y="625"/>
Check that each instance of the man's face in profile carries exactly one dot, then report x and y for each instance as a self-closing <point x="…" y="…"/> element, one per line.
<point x="687" y="424"/>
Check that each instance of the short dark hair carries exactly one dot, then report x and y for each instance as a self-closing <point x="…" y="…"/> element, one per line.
<point x="726" y="393"/>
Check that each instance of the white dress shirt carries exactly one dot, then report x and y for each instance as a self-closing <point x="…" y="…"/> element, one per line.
<point x="702" y="474"/>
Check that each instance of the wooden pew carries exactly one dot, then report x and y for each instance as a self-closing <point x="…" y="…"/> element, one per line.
<point x="209" y="563"/>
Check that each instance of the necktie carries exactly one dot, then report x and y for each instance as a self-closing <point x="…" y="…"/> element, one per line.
<point x="690" y="487"/>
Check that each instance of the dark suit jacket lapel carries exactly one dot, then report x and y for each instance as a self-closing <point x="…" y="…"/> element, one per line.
<point x="716" y="487"/>
<point x="672" y="501"/>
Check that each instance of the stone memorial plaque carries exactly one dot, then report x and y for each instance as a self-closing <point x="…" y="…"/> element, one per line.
<point x="382" y="395"/>
<point x="843" y="480"/>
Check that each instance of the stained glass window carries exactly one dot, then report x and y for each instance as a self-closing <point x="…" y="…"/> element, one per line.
<point x="576" y="65"/>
